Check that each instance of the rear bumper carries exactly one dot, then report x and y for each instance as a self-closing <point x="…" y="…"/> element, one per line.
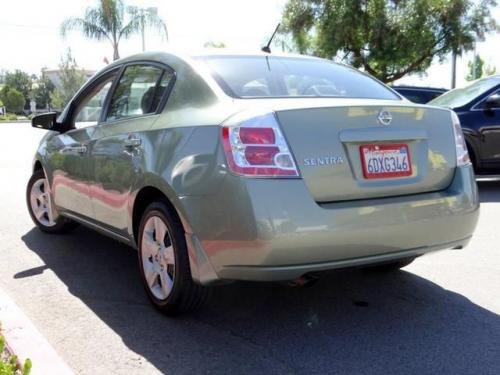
<point x="267" y="230"/>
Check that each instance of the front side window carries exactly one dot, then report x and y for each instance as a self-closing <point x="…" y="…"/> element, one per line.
<point x="89" y="110"/>
<point x="273" y="76"/>
<point x="138" y="92"/>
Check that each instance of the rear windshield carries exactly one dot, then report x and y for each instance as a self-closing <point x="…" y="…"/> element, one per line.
<point x="271" y="76"/>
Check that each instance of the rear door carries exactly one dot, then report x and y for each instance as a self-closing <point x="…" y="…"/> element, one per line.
<point x="366" y="150"/>
<point x="118" y="156"/>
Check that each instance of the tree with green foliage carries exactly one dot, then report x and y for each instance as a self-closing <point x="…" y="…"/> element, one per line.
<point x="71" y="79"/>
<point x="42" y="90"/>
<point x="12" y="99"/>
<point x="387" y="38"/>
<point x="21" y="81"/>
<point x="111" y="20"/>
<point x="477" y="69"/>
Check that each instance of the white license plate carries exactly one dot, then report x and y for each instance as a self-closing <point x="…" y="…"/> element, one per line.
<point x="385" y="161"/>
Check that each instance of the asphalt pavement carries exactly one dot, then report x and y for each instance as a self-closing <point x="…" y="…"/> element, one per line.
<point x="83" y="293"/>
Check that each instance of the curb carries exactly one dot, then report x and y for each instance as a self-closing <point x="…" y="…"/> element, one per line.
<point x="25" y="341"/>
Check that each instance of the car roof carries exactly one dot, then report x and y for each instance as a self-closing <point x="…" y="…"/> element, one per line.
<point x="209" y="52"/>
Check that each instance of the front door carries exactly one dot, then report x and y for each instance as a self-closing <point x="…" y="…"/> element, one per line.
<point x="118" y="157"/>
<point x="70" y="166"/>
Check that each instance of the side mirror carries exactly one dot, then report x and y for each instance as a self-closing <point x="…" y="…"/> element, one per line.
<point x="45" y="121"/>
<point x="492" y="102"/>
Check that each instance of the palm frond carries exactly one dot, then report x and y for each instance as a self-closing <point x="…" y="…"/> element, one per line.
<point x="132" y="27"/>
<point x="110" y="14"/>
<point x="155" y="22"/>
<point x="144" y="18"/>
<point x="88" y="28"/>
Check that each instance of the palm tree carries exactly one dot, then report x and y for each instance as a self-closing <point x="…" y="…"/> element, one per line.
<point x="148" y="17"/>
<point x="108" y="21"/>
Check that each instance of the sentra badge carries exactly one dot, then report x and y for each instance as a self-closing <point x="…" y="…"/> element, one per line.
<point x="323" y="160"/>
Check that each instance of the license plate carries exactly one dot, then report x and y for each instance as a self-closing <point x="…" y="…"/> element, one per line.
<point x="385" y="161"/>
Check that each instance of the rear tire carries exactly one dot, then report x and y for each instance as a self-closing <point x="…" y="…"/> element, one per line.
<point x="164" y="262"/>
<point x="391" y="266"/>
<point x="40" y="207"/>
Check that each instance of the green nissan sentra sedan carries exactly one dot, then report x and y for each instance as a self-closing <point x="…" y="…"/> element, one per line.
<point x="221" y="167"/>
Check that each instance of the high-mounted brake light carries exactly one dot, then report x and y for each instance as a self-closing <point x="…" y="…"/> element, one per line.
<point x="460" y="145"/>
<point x="254" y="146"/>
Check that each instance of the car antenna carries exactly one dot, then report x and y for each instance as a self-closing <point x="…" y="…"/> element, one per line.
<point x="267" y="47"/>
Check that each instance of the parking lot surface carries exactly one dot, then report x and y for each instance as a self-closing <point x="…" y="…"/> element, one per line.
<point x="83" y="292"/>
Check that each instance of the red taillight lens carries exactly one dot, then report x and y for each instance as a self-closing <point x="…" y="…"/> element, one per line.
<point x="255" y="146"/>
<point x="261" y="155"/>
<point x="259" y="136"/>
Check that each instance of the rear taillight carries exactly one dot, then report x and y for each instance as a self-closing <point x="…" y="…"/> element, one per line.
<point x="460" y="145"/>
<point x="254" y="146"/>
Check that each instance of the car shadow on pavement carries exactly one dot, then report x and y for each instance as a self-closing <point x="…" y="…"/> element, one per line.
<point x="349" y="322"/>
<point x="489" y="191"/>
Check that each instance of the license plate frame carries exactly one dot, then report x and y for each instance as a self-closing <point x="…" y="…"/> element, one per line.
<point x="389" y="166"/>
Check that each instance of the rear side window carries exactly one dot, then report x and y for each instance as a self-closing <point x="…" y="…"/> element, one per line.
<point x="272" y="76"/>
<point x="138" y="92"/>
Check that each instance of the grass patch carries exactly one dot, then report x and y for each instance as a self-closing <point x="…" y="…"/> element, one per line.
<point x="8" y="117"/>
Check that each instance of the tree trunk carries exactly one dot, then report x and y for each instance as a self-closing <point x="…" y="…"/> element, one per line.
<point x="116" y="54"/>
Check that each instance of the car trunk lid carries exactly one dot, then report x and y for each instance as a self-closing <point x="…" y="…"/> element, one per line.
<point x="334" y="146"/>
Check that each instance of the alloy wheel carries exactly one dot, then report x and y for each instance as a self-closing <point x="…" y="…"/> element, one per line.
<point x="41" y="204"/>
<point x="158" y="259"/>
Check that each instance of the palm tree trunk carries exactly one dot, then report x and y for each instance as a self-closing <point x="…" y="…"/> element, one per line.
<point x="116" y="54"/>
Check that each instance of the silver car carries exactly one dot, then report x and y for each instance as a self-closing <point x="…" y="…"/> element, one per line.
<point x="221" y="167"/>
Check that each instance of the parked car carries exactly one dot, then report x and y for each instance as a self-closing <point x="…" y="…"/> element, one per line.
<point x="419" y="94"/>
<point x="225" y="167"/>
<point x="478" y="108"/>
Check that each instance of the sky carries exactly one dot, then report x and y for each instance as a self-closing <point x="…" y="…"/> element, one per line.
<point x="30" y="39"/>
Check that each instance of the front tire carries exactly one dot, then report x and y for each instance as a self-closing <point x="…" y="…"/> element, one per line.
<point x="40" y="206"/>
<point x="164" y="262"/>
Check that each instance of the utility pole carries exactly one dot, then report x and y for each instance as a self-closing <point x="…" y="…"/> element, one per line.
<point x="474" y="65"/>
<point x="143" y="35"/>
<point x="453" y="69"/>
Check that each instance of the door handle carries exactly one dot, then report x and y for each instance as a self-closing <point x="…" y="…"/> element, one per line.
<point x="81" y="149"/>
<point x="132" y="142"/>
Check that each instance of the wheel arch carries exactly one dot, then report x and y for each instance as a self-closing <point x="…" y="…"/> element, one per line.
<point x="145" y="196"/>
<point x="37" y="165"/>
<point x="201" y="268"/>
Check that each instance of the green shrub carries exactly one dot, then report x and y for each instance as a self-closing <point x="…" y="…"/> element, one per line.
<point x="8" y="117"/>
<point x="8" y="362"/>
<point x="13" y="100"/>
